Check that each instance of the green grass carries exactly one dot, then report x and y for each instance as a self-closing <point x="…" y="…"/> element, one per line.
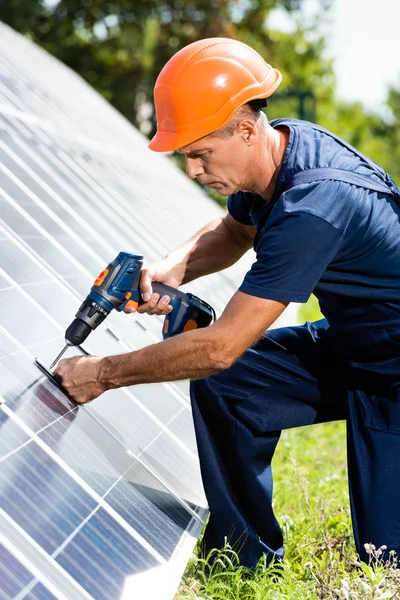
<point x="311" y="503"/>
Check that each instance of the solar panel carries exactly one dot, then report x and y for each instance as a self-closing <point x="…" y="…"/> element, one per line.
<point x="97" y="499"/>
<point x="103" y="500"/>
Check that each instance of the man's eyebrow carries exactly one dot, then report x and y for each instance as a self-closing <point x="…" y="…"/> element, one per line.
<point x="194" y="152"/>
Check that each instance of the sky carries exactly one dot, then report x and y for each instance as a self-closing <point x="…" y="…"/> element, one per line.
<point x="364" y="40"/>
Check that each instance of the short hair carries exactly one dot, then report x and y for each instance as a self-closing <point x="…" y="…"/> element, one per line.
<point x="252" y="109"/>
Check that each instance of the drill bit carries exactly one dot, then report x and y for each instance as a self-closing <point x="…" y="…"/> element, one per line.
<point x="55" y="361"/>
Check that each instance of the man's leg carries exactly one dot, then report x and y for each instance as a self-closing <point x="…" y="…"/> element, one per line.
<point x="373" y="433"/>
<point x="286" y="380"/>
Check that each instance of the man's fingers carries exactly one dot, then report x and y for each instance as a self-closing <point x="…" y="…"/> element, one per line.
<point x="161" y="307"/>
<point x="147" y="307"/>
<point x="145" y="288"/>
<point x="156" y="306"/>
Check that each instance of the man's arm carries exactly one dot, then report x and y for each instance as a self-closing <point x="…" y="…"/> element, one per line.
<point x="190" y="355"/>
<point x="216" y="246"/>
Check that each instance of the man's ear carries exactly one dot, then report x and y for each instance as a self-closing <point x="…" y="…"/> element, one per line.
<point x="248" y="130"/>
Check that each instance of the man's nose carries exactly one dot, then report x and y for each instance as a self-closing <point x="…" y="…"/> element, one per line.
<point x="194" y="167"/>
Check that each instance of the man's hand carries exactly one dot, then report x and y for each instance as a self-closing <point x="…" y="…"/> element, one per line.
<point x="161" y="272"/>
<point x="80" y="377"/>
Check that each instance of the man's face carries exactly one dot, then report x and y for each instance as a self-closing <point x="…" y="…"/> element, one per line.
<point x="221" y="164"/>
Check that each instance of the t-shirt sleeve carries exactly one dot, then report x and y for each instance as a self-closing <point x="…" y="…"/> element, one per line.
<point x="239" y="207"/>
<point x="292" y="254"/>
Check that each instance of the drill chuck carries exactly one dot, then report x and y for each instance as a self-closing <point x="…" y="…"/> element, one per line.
<point x="77" y="332"/>
<point x="90" y="314"/>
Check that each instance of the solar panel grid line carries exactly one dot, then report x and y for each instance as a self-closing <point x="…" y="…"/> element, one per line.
<point x="116" y="201"/>
<point x="38" y="562"/>
<point x="57" y="459"/>
<point x="21" y="124"/>
<point x="39" y="102"/>
<point x="24" y="73"/>
<point x="68" y="189"/>
<point x="38" y="259"/>
<point x="29" y="298"/>
<point x="27" y="124"/>
<point x="130" y="452"/>
<point x="164" y="221"/>
<point x="88" y="194"/>
<point x="121" y="204"/>
<point x="93" y="216"/>
<point x="76" y="239"/>
<point x="13" y="575"/>
<point x="125" y="159"/>
<point x="57" y="198"/>
<point x="11" y="97"/>
<point x="33" y="501"/>
<point x="23" y="117"/>
<point x="165" y="212"/>
<point x="34" y="257"/>
<point x="87" y="519"/>
<point x="178" y="395"/>
<point x="43" y="232"/>
<point x="30" y="125"/>
<point x="39" y="431"/>
<point x="146" y="468"/>
<point x="21" y="241"/>
<point x="166" y="485"/>
<point x="21" y="348"/>
<point x="163" y="427"/>
<point x="85" y="452"/>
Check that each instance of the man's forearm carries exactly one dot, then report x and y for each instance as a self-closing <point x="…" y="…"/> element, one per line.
<point x="191" y="355"/>
<point x="211" y="249"/>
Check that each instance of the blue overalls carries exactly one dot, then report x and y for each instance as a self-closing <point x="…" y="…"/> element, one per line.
<point x="296" y="376"/>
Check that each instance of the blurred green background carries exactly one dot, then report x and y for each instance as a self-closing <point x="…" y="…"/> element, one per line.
<point x="120" y="46"/>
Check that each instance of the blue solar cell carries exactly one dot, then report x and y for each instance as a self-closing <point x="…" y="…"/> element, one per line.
<point x="39" y="592"/>
<point x="41" y="497"/>
<point x="102" y="555"/>
<point x="13" y="576"/>
<point x="11" y="436"/>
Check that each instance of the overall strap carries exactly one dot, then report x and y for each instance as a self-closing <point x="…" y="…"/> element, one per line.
<point x="385" y="183"/>
<point x="322" y="173"/>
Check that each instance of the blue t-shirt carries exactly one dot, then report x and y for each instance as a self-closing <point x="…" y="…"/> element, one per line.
<point x="331" y="238"/>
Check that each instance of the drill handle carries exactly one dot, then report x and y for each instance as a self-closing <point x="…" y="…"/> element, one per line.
<point x="167" y="290"/>
<point x="175" y="321"/>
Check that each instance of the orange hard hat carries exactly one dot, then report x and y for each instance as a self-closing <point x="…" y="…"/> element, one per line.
<point x="202" y="85"/>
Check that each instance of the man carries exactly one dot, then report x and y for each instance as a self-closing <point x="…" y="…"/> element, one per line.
<point x="322" y="218"/>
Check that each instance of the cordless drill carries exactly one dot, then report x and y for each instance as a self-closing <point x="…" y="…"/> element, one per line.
<point x="117" y="286"/>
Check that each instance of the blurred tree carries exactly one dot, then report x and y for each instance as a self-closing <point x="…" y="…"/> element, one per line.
<point x="120" y="46"/>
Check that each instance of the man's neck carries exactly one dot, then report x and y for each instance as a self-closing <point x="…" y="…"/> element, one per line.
<point x="272" y="158"/>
